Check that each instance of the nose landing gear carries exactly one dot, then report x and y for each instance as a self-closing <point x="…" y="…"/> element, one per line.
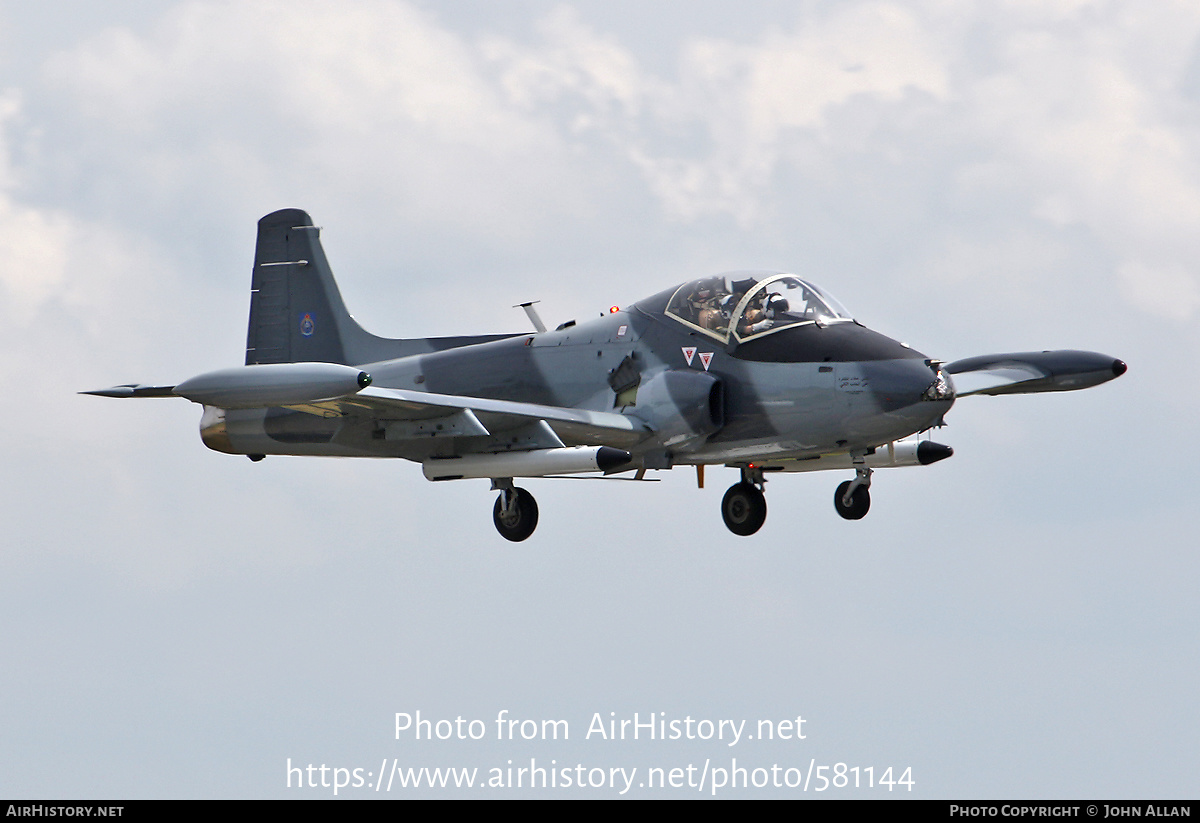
<point x="853" y="498"/>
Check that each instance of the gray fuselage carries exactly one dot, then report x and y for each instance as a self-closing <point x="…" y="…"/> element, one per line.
<point x="808" y="390"/>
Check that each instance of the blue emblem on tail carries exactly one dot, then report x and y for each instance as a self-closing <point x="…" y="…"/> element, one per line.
<point x="306" y="325"/>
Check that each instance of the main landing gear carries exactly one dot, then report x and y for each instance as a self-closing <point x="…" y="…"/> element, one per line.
<point x="515" y="512"/>
<point x="744" y="507"/>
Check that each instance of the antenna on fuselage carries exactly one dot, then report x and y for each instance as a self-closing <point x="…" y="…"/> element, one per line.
<point x="531" y="312"/>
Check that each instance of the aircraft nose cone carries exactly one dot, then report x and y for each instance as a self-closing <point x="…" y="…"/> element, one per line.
<point x="899" y="384"/>
<point x="1119" y="368"/>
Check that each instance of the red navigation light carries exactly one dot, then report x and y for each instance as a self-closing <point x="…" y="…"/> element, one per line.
<point x="613" y="309"/>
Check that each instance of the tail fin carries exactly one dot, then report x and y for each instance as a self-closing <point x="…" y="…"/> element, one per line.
<point x="296" y="311"/>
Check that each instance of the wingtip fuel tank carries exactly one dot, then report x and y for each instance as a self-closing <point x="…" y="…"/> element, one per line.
<point x="276" y="384"/>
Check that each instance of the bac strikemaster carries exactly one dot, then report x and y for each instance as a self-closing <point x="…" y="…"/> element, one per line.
<point x="760" y="371"/>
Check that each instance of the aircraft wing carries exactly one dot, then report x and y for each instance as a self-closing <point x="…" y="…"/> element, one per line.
<point x="1029" y="372"/>
<point x="333" y="390"/>
<point x="432" y="414"/>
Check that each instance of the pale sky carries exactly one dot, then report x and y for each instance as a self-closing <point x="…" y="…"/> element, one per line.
<point x="1018" y="621"/>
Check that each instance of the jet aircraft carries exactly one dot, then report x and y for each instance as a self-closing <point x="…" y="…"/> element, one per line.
<point x="759" y="371"/>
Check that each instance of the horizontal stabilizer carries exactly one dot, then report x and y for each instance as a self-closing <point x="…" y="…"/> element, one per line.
<point x="1030" y="372"/>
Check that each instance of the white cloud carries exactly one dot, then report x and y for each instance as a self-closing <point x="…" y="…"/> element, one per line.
<point x="348" y="67"/>
<point x="755" y="99"/>
<point x="1068" y="116"/>
<point x="33" y="257"/>
<point x="1170" y="290"/>
<point x="33" y="242"/>
<point x="572" y="59"/>
<point x="1088" y="120"/>
<point x="276" y="102"/>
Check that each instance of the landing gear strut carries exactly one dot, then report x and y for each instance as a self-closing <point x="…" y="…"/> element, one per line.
<point x="744" y="507"/>
<point x="515" y="512"/>
<point x="853" y="498"/>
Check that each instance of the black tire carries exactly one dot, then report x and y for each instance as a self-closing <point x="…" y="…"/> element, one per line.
<point x="520" y="523"/>
<point x="744" y="509"/>
<point x="860" y="502"/>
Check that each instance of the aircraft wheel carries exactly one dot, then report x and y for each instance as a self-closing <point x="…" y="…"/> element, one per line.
<point x="520" y="521"/>
<point x="860" y="502"/>
<point x="744" y="509"/>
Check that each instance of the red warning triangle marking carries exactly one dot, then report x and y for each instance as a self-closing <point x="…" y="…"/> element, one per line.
<point x="689" y="352"/>
<point x="706" y="358"/>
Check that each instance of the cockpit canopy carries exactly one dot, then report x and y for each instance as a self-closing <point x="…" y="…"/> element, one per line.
<point x="749" y="305"/>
